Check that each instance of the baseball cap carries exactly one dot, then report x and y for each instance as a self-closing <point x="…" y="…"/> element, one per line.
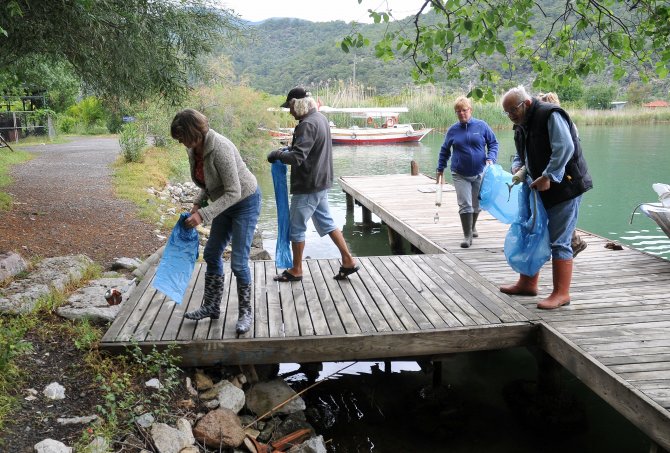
<point x="295" y="93"/>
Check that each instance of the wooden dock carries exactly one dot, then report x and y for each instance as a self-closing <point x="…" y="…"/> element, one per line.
<point x="615" y="335"/>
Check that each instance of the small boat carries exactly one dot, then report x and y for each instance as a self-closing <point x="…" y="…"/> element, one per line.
<point x="381" y="127"/>
<point x="658" y="212"/>
<point x="282" y="135"/>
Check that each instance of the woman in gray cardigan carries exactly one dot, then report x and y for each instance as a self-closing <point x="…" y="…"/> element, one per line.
<point x="230" y="201"/>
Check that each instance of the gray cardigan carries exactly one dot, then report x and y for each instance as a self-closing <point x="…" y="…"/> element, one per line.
<point x="227" y="178"/>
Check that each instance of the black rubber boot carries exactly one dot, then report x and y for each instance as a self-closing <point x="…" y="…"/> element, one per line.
<point x="466" y="223"/>
<point x="211" y="302"/>
<point x="474" y="222"/>
<point x="245" y="317"/>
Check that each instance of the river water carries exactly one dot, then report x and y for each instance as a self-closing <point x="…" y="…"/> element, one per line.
<point x="481" y="406"/>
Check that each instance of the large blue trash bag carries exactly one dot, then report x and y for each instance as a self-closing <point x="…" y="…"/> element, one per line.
<point x="283" y="257"/>
<point x="179" y="257"/>
<point x="495" y="196"/>
<point x="527" y="245"/>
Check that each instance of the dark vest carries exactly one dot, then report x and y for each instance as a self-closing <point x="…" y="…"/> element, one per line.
<point x="534" y="137"/>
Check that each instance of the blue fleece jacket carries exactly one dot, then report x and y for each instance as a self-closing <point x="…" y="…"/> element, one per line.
<point x="472" y="144"/>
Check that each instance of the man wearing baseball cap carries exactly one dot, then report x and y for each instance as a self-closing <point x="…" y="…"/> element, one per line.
<point x="311" y="159"/>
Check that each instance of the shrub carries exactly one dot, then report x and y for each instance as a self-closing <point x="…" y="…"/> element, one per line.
<point x="600" y="97"/>
<point x="132" y="140"/>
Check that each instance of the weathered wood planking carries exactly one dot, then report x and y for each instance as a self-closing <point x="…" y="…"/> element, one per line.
<point x="389" y="295"/>
<point x="615" y="334"/>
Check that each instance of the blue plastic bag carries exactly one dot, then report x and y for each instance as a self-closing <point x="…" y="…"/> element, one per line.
<point x="283" y="257"/>
<point x="527" y="245"/>
<point x="178" y="260"/>
<point x="495" y="195"/>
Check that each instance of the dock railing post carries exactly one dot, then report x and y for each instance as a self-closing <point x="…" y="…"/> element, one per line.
<point x="414" y="168"/>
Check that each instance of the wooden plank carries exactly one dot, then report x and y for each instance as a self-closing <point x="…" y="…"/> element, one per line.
<point x="367" y="300"/>
<point x="216" y="326"/>
<point x="333" y="319"/>
<point x="443" y="305"/>
<point x="382" y="297"/>
<point x="330" y="286"/>
<point x="177" y="315"/>
<point x="319" y="325"/>
<point x="187" y="327"/>
<point x="412" y="299"/>
<point x="361" y="346"/>
<point x="365" y="323"/>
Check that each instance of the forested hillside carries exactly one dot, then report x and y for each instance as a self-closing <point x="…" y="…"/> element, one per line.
<point x="281" y="53"/>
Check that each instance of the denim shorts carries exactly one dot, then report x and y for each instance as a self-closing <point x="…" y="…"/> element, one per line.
<point x="314" y="206"/>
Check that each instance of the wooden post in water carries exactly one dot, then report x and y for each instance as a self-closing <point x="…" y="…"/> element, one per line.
<point x="350" y="203"/>
<point x="414" y="168"/>
<point x="395" y="241"/>
<point x="367" y="216"/>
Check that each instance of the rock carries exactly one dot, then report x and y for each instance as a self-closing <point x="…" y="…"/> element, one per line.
<point x="54" y="391"/>
<point x="185" y="428"/>
<point x="231" y="397"/>
<point x="263" y="396"/>
<point x="126" y="263"/>
<point x="202" y="381"/>
<point x="77" y="420"/>
<point x="153" y="384"/>
<point x="168" y="439"/>
<point x="220" y="428"/>
<point x="98" y="445"/>
<point x="22" y="295"/>
<point x="52" y="446"/>
<point x="145" y="420"/>
<point x="11" y="264"/>
<point x="189" y="387"/>
<point x="311" y="445"/>
<point x="89" y="302"/>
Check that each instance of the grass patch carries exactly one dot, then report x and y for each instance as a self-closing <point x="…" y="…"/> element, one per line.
<point x="7" y="159"/>
<point x="158" y="166"/>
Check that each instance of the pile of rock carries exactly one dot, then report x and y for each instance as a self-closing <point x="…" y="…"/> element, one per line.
<point x="278" y="423"/>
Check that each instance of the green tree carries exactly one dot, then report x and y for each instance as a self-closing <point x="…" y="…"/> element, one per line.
<point x="600" y="97"/>
<point x="123" y="49"/>
<point x="580" y="38"/>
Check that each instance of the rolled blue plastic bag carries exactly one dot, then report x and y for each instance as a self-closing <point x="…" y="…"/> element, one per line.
<point x="495" y="195"/>
<point x="178" y="260"/>
<point x="283" y="257"/>
<point x="527" y="245"/>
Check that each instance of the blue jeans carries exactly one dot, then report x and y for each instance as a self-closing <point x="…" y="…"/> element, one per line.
<point x="314" y="206"/>
<point x="562" y="220"/>
<point x="236" y="224"/>
<point x="467" y="192"/>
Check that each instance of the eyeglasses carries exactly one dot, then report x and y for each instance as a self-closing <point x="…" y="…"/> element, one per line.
<point x="462" y="111"/>
<point x="514" y="109"/>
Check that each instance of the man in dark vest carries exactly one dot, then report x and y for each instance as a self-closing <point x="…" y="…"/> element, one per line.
<point x="547" y="144"/>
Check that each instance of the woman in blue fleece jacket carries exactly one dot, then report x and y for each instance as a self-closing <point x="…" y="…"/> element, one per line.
<point x="471" y="145"/>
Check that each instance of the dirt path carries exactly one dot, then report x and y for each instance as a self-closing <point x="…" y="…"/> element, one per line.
<point x="64" y="204"/>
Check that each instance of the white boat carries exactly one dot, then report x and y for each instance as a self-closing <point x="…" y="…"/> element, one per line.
<point x="381" y="127"/>
<point x="658" y="212"/>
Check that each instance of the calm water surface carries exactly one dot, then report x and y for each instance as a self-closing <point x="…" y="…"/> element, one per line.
<point x="482" y="406"/>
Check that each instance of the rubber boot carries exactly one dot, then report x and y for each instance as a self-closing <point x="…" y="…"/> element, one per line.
<point x="577" y="243"/>
<point x="475" y="234"/>
<point x="211" y="302"/>
<point x="525" y="286"/>
<point x="245" y="317"/>
<point x="466" y="223"/>
<point x="562" y="273"/>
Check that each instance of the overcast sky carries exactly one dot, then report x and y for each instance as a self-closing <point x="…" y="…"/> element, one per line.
<point x="320" y="10"/>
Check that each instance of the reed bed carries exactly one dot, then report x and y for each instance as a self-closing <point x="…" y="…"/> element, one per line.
<point x="434" y="107"/>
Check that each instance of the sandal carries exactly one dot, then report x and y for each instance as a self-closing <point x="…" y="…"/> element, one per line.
<point x="286" y="276"/>
<point x="345" y="272"/>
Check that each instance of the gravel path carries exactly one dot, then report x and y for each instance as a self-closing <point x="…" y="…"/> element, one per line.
<point x="64" y="204"/>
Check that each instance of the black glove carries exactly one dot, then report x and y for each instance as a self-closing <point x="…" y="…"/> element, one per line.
<point x="275" y="155"/>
